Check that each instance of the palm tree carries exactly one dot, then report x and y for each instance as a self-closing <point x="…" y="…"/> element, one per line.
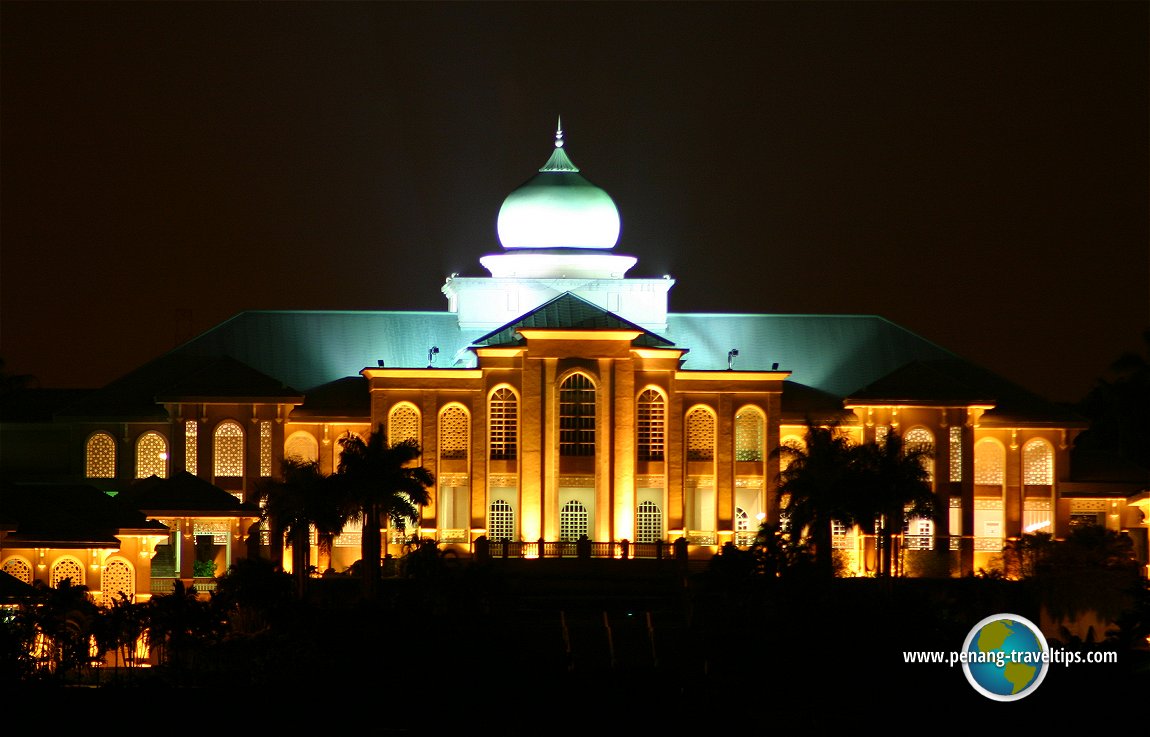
<point x="892" y="485"/>
<point x="815" y="488"/>
<point x="306" y="497"/>
<point x="387" y="483"/>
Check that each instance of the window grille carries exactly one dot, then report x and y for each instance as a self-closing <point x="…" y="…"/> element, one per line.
<point x="700" y="435"/>
<point x="989" y="462"/>
<point x="229" y="449"/>
<point x="151" y="456"/>
<point x="573" y="521"/>
<point x="191" y="446"/>
<point x="503" y="416"/>
<point x="956" y="454"/>
<point x="454" y="433"/>
<point x="265" y="448"/>
<point x="501" y="525"/>
<point x="577" y="416"/>
<point x="100" y="457"/>
<point x="651" y="411"/>
<point x="749" y="435"/>
<point x="403" y="424"/>
<point x="1037" y="463"/>
<point x="648" y="523"/>
<point x="921" y="439"/>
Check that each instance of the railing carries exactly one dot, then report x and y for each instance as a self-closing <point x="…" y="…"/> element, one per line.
<point x="566" y="549"/>
<point x="163" y="586"/>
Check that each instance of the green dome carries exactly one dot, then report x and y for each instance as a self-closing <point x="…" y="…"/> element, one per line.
<point x="558" y="208"/>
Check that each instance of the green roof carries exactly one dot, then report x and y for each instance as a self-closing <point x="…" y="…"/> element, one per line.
<point x="569" y="312"/>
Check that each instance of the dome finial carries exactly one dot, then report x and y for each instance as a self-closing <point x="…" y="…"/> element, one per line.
<point x="559" y="132"/>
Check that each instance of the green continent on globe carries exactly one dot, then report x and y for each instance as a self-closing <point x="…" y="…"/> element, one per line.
<point x="992" y="636"/>
<point x="1019" y="675"/>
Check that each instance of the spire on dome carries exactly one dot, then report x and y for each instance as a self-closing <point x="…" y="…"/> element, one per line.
<point x="559" y="160"/>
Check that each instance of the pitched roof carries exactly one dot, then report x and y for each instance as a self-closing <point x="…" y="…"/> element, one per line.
<point x="186" y="494"/>
<point x="569" y="312"/>
<point x="69" y="516"/>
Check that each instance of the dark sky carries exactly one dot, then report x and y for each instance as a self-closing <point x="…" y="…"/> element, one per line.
<point x="977" y="172"/>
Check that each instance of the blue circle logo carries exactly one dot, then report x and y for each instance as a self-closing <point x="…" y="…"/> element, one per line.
<point x="1005" y="657"/>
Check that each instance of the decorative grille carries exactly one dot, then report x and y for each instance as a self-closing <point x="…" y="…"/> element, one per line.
<point x="921" y="439"/>
<point x="749" y="435"/>
<point x="100" y="457"/>
<point x="229" y="449"/>
<point x="503" y="414"/>
<point x="988" y="463"/>
<point x="301" y="446"/>
<point x="265" y="448"/>
<point x="403" y="424"/>
<point x="191" y="436"/>
<point x="18" y="569"/>
<point x="67" y="568"/>
<point x="742" y="520"/>
<point x="577" y="416"/>
<point x="651" y="410"/>
<point x="700" y="435"/>
<point x="1037" y="463"/>
<point x="454" y="433"/>
<point x="956" y="454"/>
<point x="151" y="456"/>
<point x="117" y="578"/>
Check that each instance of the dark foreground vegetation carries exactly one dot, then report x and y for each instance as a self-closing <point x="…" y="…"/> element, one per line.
<point x="602" y="641"/>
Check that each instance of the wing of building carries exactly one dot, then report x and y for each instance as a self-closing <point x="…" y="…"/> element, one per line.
<point x="557" y="398"/>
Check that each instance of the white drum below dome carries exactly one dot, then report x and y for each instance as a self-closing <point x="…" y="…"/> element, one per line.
<point x="558" y="265"/>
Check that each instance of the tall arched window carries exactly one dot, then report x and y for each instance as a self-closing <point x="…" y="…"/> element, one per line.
<point x="749" y="434"/>
<point x="19" y="569"/>
<point x="228" y="449"/>
<point x="501" y="525"/>
<point x="503" y="419"/>
<point x="403" y="423"/>
<point x="921" y="439"/>
<point x="650" y="425"/>
<point x="100" y="457"/>
<point x="117" y="580"/>
<point x="573" y="521"/>
<point x="648" y="523"/>
<point x="1037" y="463"/>
<point x="700" y="435"/>
<point x="151" y="455"/>
<point x="302" y="446"/>
<point x="577" y="416"/>
<point x="454" y="433"/>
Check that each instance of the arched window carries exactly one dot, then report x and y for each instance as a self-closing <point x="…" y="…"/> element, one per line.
<point x="1037" y="463"/>
<point x="19" y="569"/>
<point x="573" y="521"/>
<point x="228" y="449"/>
<point x="403" y="423"/>
<point x="151" y="455"/>
<point x="302" y="446"/>
<point x="100" y="457"/>
<point x="648" y="523"/>
<point x="989" y="462"/>
<point x="788" y="442"/>
<point x="454" y="433"/>
<point x="921" y="439"/>
<point x="117" y="581"/>
<point x="650" y="425"/>
<point x="749" y="434"/>
<point x="503" y="418"/>
<point x="577" y="416"/>
<point x="67" y="568"/>
<point x="501" y="525"/>
<point x="700" y="435"/>
<point x="742" y="520"/>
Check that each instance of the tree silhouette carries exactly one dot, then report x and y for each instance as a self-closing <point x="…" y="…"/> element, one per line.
<point x="386" y="482"/>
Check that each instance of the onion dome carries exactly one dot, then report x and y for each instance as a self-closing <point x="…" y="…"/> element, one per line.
<point x="558" y="208"/>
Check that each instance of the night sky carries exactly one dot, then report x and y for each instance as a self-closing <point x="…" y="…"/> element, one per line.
<point x="977" y="172"/>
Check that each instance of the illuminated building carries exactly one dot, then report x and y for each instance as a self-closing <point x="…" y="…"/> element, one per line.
<point x="557" y="397"/>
